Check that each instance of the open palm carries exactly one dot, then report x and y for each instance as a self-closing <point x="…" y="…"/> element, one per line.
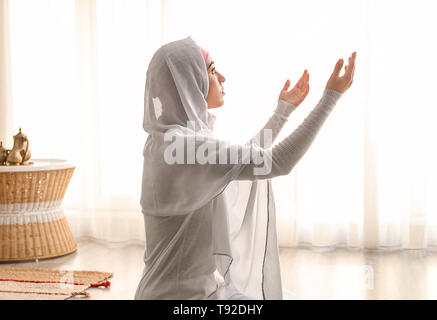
<point x="341" y="84"/>
<point x="298" y="94"/>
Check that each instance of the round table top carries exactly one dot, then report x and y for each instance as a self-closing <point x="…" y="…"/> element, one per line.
<point x="39" y="165"/>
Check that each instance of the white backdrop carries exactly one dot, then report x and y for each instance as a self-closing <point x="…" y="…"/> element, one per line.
<point x="78" y="74"/>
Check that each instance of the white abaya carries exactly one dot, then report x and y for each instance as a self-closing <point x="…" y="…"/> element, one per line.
<point x="210" y="228"/>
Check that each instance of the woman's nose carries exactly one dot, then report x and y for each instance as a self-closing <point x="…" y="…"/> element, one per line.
<point x="220" y="77"/>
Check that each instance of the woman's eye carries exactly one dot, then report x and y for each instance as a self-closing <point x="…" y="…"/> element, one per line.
<point x="213" y="70"/>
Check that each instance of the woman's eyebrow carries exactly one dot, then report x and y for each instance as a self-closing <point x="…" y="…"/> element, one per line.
<point x="212" y="62"/>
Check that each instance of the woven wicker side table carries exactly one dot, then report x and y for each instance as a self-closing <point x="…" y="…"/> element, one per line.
<point x="32" y="222"/>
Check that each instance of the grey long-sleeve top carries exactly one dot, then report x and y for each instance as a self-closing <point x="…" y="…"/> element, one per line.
<point x="287" y="153"/>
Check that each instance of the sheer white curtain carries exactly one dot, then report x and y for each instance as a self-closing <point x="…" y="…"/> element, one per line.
<point x="369" y="178"/>
<point x="78" y="73"/>
<point x="6" y="109"/>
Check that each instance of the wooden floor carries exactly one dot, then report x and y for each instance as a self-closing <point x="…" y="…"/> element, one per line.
<point x="309" y="273"/>
<point x="360" y="274"/>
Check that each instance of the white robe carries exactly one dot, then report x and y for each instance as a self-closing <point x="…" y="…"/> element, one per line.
<point x="226" y="249"/>
<point x="210" y="228"/>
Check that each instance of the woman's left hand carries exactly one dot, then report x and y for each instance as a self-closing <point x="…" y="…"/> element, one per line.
<point x="298" y="94"/>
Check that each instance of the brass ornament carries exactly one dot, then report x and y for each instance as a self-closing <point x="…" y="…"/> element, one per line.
<point x="19" y="155"/>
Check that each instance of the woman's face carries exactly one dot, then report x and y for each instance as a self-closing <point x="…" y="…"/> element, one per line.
<point x="216" y="91"/>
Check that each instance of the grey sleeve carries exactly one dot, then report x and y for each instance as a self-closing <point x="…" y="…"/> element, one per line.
<point x="275" y="124"/>
<point x="287" y="153"/>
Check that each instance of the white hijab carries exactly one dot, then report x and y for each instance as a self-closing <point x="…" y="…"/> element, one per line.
<point x="244" y="226"/>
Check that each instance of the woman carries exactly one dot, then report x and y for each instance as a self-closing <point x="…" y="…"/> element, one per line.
<point x="209" y="218"/>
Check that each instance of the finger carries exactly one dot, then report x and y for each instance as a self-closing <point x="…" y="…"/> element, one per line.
<point x="354" y="55"/>
<point x="286" y="85"/>
<point x="306" y="80"/>
<point x="305" y="83"/>
<point x="346" y="67"/>
<point x="301" y="81"/>
<point x="351" y="68"/>
<point x="338" y="67"/>
<point x="307" y="89"/>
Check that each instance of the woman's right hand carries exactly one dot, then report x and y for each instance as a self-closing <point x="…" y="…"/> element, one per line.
<point x="298" y="94"/>
<point x="341" y="84"/>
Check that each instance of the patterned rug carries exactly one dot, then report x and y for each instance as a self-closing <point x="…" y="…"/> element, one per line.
<point x="45" y="284"/>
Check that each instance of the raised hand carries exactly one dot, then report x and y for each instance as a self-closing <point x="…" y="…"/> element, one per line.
<point x="341" y="84"/>
<point x="298" y="94"/>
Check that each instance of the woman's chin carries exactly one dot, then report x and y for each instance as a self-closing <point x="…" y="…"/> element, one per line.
<point x="217" y="105"/>
<point x="222" y="101"/>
